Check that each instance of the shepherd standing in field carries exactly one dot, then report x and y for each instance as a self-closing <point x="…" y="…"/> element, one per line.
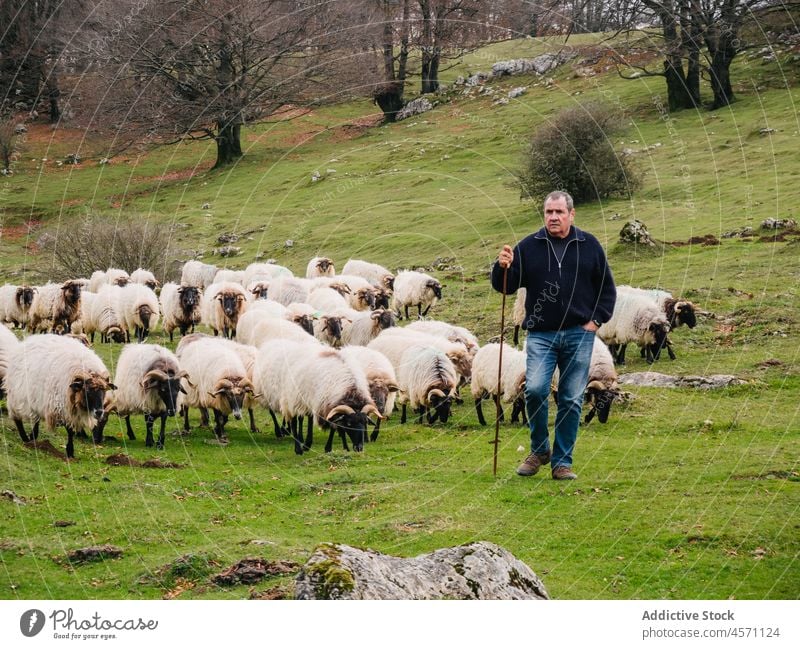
<point x="570" y="293"/>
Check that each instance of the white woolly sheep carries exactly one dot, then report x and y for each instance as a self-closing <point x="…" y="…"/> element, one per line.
<point x="302" y="315"/>
<point x="219" y="379"/>
<point x="272" y="328"/>
<point x="148" y="380"/>
<point x="145" y="277"/>
<point x="453" y="333"/>
<point x="15" y="304"/>
<point x="334" y="391"/>
<point x="635" y="319"/>
<point x="427" y="382"/>
<point x="58" y="380"/>
<point x="229" y="275"/>
<point x="327" y="299"/>
<point x="320" y="267"/>
<point x="264" y="272"/>
<point x="223" y="303"/>
<point x="115" y="276"/>
<point x="138" y="309"/>
<point x="196" y="273"/>
<point x="364" y="326"/>
<point x="56" y="306"/>
<point x="381" y="379"/>
<point x="8" y="343"/>
<point x="181" y="307"/>
<point x="512" y="381"/>
<point x="374" y="273"/>
<point x="258" y="290"/>
<point x="286" y="289"/>
<point x="256" y="312"/>
<point x="101" y="312"/>
<point x="415" y="289"/>
<point x="677" y="311"/>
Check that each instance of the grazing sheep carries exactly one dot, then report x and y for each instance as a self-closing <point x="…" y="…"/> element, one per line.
<point x="334" y="391"/>
<point x="677" y="311"/>
<point x="58" y="380"/>
<point x="114" y="276"/>
<point x="302" y="315"/>
<point x="257" y="312"/>
<point x="264" y="272"/>
<point x="427" y="382"/>
<point x="229" y="275"/>
<point x="56" y="306"/>
<point x="415" y="289"/>
<point x="374" y="273"/>
<point x="138" y="309"/>
<point x="365" y="326"/>
<point x="219" y="379"/>
<point x="148" y="379"/>
<point x="196" y="273"/>
<point x="328" y="329"/>
<point x="8" y="343"/>
<point x="512" y="381"/>
<point x="223" y="303"/>
<point x="101" y="312"/>
<point x="145" y="277"/>
<point x="327" y="299"/>
<point x="15" y="304"/>
<point x="453" y="333"/>
<point x="381" y="379"/>
<point x="635" y="319"/>
<point x="360" y="294"/>
<point x="258" y="290"/>
<point x="320" y="267"/>
<point x="181" y="307"/>
<point x="287" y="289"/>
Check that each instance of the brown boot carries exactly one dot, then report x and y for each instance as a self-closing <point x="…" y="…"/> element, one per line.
<point x="562" y="472"/>
<point x="532" y="463"/>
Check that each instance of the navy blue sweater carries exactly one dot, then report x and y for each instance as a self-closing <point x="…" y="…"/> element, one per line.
<point x="567" y="285"/>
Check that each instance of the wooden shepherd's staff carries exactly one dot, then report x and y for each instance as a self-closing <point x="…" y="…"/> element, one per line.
<point x="499" y="372"/>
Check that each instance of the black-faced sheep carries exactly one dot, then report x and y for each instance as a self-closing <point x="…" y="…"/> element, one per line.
<point x="196" y="273"/>
<point x="374" y="273"/>
<point x="320" y="267"/>
<point x="15" y="304"/>
<point x="146" y="278"/>
<point x="512" y="383"/>
<point x="364" y="326"/>
<point x="56" y="306"/>
<point x="58" y="380"/>
<point x="635" y="319"/>
<point x="222" y="305"/>
<point x="138" y="308"/>
<point x="181" y="307"/>
<point x="381" y="379"/>
<point x="148" y="379"/>
<point x="415" y="289"/>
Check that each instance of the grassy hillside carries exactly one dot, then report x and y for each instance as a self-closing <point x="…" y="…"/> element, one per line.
<point x="683" y="494"/>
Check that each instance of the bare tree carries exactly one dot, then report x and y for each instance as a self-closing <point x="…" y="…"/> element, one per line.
<point x="205" y="68"/>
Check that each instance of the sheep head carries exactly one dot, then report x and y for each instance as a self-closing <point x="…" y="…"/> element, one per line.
<point x="340" y="287"/>
<point x="167" y="385"/>
<point x="685" y="314"/>
<point x="383" y="319"/>
<point x="600" y="396"/>
<point x="71" y="291"/>
<point x="333" y="325"/>
<point x="24" y="296"/>
<point x="231" y="303"/>
<point x="116" y="334"/>
<point x="381" y="298"/>
<point x="87" y="391"/>
<point x="325" y="266"/>
<point x="463" y="363"/>
<point x="435" y="287"/>
<point x="440" y="403"/>
<point x="388" y="282"/>
<point x="259" y="290"/>
<point x="365" y="297"/>
<point x="347" y="421"/>
<point x="189" y="297"/>
<point x="230" y="395"/>
<point x="305" y="322"/>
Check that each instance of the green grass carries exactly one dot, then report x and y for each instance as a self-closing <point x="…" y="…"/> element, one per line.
<point x="683" y="494"/>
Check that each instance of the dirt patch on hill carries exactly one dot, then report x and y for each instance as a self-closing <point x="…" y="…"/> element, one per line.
<point x="121" y="459"/>
<point x="47" y="447"/>
<point x="251" y="570"/>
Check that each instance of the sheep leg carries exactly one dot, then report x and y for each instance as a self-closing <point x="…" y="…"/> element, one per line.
<point x="280" y="431"/>
<point x="21" y="431"/>
<point x="670" y="352"/>
<point x="590" y="415"/>
<point x="419" y="310"/>
<point x="427" y="308"/>
<point x="162" y="432"/>
<point x="479" y="410"/>
<point x="129" y="428"/>
<point x="97" y="431"/>
<point x="344" y="440"/>
<point x="219" y="425"/>
<point x="516" y="411"/>
<point x="374" y="436"/>
<point x="253" y="427"/>
<point x="406" y="308"/>
<point x="204" y="417"/>
<point x="433" y="415"/>
<point x="309" y="435"/>
<point x="421" y="413"/>
<point x="621" y="354"/>
<point x="170" y="335"/>
<point x="297" y="436"/>
<point x="185" y="412"/>
<point x="649" y="355"/>
<point x="403" y="415"/>
<point x="516" y="335"/>
<point x="329" y="443"/>
<point x="149" y="418"/>
<point x="70" y="442"/>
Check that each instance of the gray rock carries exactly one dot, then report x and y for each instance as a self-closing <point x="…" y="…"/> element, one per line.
<point x="228" y="251"/>
<point x="228" y="238"/>
<point x="478" y="570"/>
<point x="414" y="107"/>
<point x="657" y="380"/>
<point x="477" y="78"/>
<point x="20" y="128"/>
<point x="778" y="224"/>
<point x="636" y="232"/>
<point x="516" y="92"/>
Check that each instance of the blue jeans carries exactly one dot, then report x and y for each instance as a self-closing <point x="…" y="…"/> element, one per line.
<point x="571" y="351"/>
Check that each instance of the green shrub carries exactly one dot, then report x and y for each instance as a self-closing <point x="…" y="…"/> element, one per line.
<point x="574" y="153"/>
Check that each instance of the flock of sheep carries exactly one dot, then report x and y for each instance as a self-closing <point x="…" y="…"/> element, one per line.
<point x="323" y="350"/>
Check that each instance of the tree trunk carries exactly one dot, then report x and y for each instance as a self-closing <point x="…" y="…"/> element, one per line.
<point x="678" y="96"/>
<point x="229" y="147"/>
<point x="404" y="29"/>
<point x="721" y="79"/>
<point x="389" y="97"/>
<point x="430" y="70"/>
<point x="388" y="45"/>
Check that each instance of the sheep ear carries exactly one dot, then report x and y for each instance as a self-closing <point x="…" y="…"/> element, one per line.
<point x="393" y="387"/>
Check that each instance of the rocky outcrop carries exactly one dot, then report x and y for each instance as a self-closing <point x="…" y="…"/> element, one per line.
<point x="656" y="380"/>
<point x="478" y="570"/>
<point x="636" y="232"/>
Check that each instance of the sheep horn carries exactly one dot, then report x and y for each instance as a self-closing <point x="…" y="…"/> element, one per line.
<point x="595" y="385"/>
<point x="183" y="374"/>
<point x="158" y="375"/>
<point x="436" y="392"/>
<point x="339" y="410"/>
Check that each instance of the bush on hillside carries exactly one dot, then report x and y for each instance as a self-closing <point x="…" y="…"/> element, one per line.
<point x="98" y="243"/>
<point x="574" y="153"/>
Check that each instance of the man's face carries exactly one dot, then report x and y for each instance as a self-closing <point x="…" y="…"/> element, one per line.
<point x="557" y="219"/>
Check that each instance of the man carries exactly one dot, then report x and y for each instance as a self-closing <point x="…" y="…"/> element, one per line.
<point x="570" y="293"/>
